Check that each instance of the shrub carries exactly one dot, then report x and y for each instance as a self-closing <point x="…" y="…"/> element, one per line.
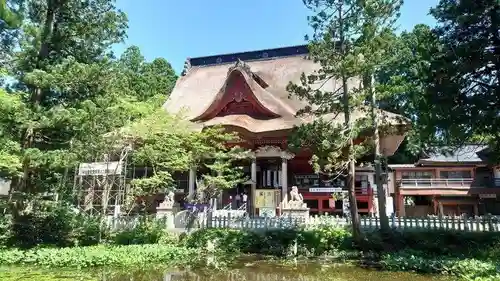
<point x="52" y="227"/>
<point x="276" y="242"/>
<point x="147" y="231"/>
<point x="56" y="225"/>
<point x="447" y="243"/>
<point x="5" y="231"/>
<point x="465" y="268"/>
<point x="87" y="230"/>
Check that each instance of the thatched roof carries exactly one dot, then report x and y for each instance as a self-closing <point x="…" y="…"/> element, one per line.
<point x="204" y="82"/>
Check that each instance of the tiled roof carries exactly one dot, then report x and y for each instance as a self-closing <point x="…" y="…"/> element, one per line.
<point x="465" y="154"/>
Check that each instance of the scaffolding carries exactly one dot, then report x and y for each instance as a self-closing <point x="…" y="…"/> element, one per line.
<point x="102" y="187"/>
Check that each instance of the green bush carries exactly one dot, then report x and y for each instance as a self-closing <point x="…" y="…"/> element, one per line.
<point x="87" y="230"/>
<point x="101" y="255"/>
<point x="147" y="231"/>
<point x="278" y="242"/>
<point x="443" y="243"/>
<point x="57" y="225"/>
<point x="52" y="227"/>
<point x="5" y="231"/>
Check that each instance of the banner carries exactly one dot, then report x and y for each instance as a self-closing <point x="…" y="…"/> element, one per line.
<point x="100" y="168"/>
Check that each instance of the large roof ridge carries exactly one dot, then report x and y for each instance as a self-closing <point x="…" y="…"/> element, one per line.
<point x="248" y="55"/>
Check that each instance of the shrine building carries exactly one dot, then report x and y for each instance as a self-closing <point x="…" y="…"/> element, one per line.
<point x="246" y="93"/>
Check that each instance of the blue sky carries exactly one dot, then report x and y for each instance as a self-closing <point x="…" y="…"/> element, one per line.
<point x="177" y="29"/>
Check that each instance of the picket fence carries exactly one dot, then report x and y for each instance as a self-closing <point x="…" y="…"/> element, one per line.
<point x="478" y="224"/>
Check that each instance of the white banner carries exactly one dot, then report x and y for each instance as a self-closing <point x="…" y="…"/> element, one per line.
<point x="4" y="187"/>
<point x="100" y="168"/>
<point x="389" y="206"/>
<point x="325" y="189"/>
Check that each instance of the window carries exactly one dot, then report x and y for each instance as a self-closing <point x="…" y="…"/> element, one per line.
<point x="465" y="174"/>
<point x="326" y="204"/>
<point x="362" y="205"/>
<point x="361" y="181"/>
<point x="312" y="204"/>
<point x="417" y="175"/>
<point x="339" y="204"/>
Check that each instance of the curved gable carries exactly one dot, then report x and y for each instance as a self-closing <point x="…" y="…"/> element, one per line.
<point x="237" y="97"/>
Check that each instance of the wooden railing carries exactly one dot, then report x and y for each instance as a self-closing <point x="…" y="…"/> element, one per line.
<point x="451" y="183"/>
<point x="436" y="182"/>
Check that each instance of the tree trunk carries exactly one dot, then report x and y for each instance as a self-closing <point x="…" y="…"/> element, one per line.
<point x="348" y="150"/>
<point x="381" y="194"/>
<point x="351" y="169"/>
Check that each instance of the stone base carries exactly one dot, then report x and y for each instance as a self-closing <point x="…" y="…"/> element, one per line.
<point x="167" y="214"/>
<point x="302" y="213"/>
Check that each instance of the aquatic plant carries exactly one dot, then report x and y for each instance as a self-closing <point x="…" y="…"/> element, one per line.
<point x="94" y="256"/>
<point x="464" y="268"/>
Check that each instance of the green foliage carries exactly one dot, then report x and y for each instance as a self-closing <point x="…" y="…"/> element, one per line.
<point x="480" y="245"/>
<point x="464" y="78"/>
<point x="96" y="256"/>
<point x="351" y="39"/>
<point x="14" y="112"/>
<point x="54" y="226"/>
<point x="309" y="242"/>
<point x="5" y="230"/>
<point x="466" y="269"/>
<point x="147" y="80"/>
<point x="402" y="82"/>
<point x="28" y="273"/>
<point x="66" y="90"/>
<point x="169" y="144"/>
<point x="147" y="231"/>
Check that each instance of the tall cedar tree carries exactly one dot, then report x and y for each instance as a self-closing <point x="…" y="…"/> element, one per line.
<point x="464" y="91"/>
<point x="402" y="83"/>
<point x="346" y="34"/>
<point x="375" y="45"/>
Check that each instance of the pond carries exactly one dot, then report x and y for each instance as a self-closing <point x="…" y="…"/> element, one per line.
<point x="258" y="271"/>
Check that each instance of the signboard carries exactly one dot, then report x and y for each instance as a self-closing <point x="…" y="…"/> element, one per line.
<point x="100" y="168"/>
<point x="4" y="187"/>
<point x="265" y="198"/>
<point x="487" y="196"/>
<point x="389" y="206"/>
<point x="325" y="189"/>
<point x="267" y="212"/>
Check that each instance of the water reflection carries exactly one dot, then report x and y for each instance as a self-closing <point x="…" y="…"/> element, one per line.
<point x="270" y="272"/>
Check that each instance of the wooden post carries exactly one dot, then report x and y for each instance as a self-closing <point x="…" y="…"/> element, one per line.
<point x="253" y="175"/>
<point x="284" y="180"/>
<point x="191" y="183"/>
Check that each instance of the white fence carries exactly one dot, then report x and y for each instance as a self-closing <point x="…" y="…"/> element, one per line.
<point x="478" y="224"/>
<point x="481" y="224"/>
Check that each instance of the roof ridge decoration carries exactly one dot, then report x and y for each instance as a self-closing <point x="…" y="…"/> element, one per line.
<point x="241" y="65"/>
<point x="187" y="66"/>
